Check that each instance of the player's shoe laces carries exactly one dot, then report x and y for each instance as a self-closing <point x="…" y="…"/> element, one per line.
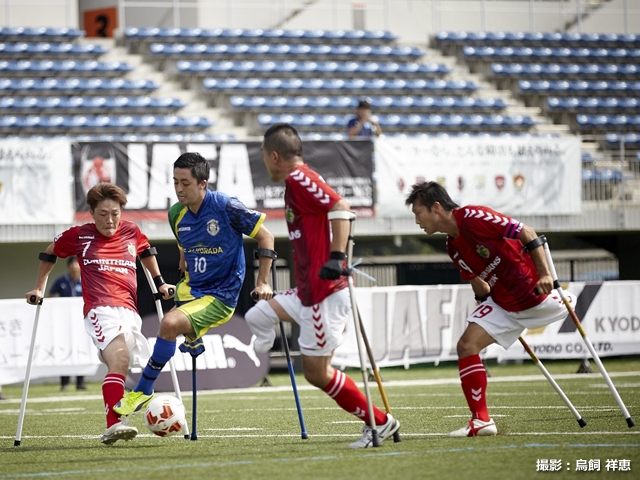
<point x="476" y="428"/>
<point x="132" y="402"/>
<point x="118" y="431"/>
<point x="385" y="430"/>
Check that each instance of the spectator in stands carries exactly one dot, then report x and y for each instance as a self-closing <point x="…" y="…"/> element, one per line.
<point x="363" y="124"/>
<point x="69" y="285"/>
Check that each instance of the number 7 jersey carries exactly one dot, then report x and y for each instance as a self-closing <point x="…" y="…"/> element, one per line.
<point x="212" y="243"/>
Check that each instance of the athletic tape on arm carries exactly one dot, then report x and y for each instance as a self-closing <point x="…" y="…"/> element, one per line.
<point x="341" y="215"/>
<point x="535" y="243"/>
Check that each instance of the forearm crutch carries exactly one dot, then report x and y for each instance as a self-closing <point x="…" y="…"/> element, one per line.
<point x="574" y="317"/>
<point x="376" y="373"/>
<point x="273" y="255"/>
<point x="194" y="399"/>
<point x="346" y="215"/>
<point x="553" y="383"/>
<point x="27" y="375"/>
<point x="172" y="367"/>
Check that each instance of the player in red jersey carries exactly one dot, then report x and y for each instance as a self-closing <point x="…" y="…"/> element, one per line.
<point x="514" y="290"/>
<point x="107" y="251"/>
<point x="320" y="303"/>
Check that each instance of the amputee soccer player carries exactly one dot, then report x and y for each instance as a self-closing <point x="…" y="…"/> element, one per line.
<point x="209" y="227"/>
<point x="505" y="263"/>
<point x="106" y="252"/>
<point x="320" y="303"/>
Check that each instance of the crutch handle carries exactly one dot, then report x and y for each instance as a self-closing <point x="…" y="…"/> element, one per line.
<point x="254" y="296"/>
<point x="32" y="299"/>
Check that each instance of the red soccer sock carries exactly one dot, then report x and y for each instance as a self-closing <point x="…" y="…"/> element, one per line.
<point x="112" y="392"/>
<point x="346" y="394"/>
<point x="474" y="385"/>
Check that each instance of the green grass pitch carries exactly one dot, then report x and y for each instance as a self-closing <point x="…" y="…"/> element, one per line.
<point x="254" y="433"/>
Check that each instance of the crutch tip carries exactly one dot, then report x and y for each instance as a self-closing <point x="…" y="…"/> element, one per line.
<point x="187" y="437"/>
<point x="16" y="443"/>
<point x="582" y="423"/>
<point x="194" y="437"/>
<point x="396" y="437"/>
<point x="304" y="435"/>
<point x="630" y="422"/>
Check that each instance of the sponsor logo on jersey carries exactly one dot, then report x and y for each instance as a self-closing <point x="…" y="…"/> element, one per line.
<point x="86" y="237"/>
<point x="212" y="227"/>
<point x="482" y="251"/>
<point x="500" y="181"/>
<point x="490" y="268"/>
<point x="184" y="229"/>
<point x="288" y="213"/>
<point x="131" y="249"/>
<point x="295" y="234"/>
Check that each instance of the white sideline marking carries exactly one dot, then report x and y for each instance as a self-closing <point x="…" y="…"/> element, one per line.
<point x="387" y="384"/>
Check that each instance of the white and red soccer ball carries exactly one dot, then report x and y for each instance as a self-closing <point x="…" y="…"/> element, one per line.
<point x="165" y="415"/>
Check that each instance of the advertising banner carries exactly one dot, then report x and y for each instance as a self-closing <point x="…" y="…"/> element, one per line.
<point x="513" y="175"/>
<point x="422" y="324"/>
<point x="145" y="172"/>
<point x="35" y="182"/>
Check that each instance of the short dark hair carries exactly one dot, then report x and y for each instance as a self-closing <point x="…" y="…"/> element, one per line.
<point x="71" y="259"/>
<point x="105" y="191"/>
<point x="284" y="139"/>
<point x="428" y="193"/>
<point x="196" y="163"/>
<point x="364" y="104"/>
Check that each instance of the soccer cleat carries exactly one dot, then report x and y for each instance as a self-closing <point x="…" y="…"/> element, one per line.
<point x="132" y="402"/>
<point x="118" y="431"/>
<point x="385" y="430"/>
<point x="476" y="428"/>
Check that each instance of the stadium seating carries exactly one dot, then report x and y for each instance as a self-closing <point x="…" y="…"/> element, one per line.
<point x="348" y="104"/>
<point x="39" y="34"/>
<point x="73" y="86"/>
<point x="566" y="71"/>
<point x="50" y="50"/>
<point x="241" y="69"/>
<point x="404" y="123"/>
<point x="42" y="68"/>
<point x="61" y="124"/>
<point x="88" y="104"/>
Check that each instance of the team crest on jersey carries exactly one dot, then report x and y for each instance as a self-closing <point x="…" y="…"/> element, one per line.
<point x="288" y="213"/>
<point x="212" y="227"/>
<point x="131" y="249"/>
<point x="482" y="251"/>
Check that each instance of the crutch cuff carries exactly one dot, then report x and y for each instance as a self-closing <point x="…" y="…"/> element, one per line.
<point x="341" y="215"/>
<point x="535" y="243"/>
<point x="148" y="252"/>
<point x="264" y="252"/>
<point x="46" y="257"/>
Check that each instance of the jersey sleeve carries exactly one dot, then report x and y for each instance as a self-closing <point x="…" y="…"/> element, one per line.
<point x="243" y="219"/>
<point x="64" y="245"/>
<point x="311" y="192"/>
<point x="143" y="241"/>
<point x="176" y="212"/>
<point x="489" y="223"/>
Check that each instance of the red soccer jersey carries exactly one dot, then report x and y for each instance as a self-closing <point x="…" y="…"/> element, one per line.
<point x="108" y="264"/>
<point x="308" y="199"/>
<point x="488" y="247"/>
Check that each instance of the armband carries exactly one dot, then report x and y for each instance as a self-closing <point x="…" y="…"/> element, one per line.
<point x="535" y="243"/>
<point x="265" y="252"/>
<point x="148" y="252"/>
<point x="483" y="298"/>
<point x="45" y="257"/>
<point x="337" y="256"/>
<point x="159" y="281"/>
<point x="341" y="215"/>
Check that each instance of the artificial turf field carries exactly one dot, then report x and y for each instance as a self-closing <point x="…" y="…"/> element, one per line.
<point x="254" y="433"/>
